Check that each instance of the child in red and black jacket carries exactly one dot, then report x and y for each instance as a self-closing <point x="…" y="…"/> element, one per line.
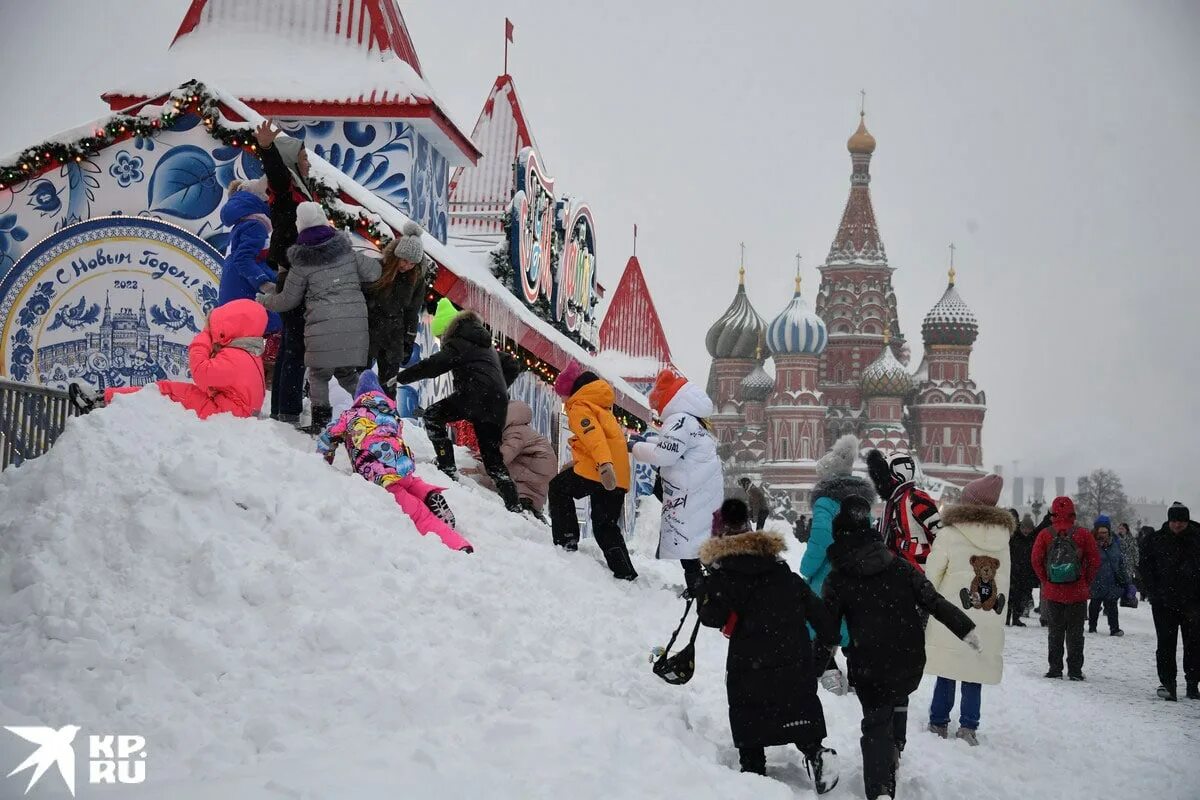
<point x="770" y="678"/>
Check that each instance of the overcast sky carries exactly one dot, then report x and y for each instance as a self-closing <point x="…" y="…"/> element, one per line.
<point x="1054" y="143"/>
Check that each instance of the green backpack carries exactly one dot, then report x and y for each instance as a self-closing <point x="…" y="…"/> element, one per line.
<point x="1062" y="559"/>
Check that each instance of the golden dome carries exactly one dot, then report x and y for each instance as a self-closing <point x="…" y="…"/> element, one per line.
<point x="862" y="141"/>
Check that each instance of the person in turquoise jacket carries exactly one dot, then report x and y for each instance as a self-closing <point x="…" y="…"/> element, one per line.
<point x="835" y="483"/>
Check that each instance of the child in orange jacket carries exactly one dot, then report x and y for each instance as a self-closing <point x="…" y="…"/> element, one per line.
<point x="600" y="470"/>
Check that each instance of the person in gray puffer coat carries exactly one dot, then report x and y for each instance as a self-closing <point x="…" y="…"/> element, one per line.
<point x="327" y="275"/>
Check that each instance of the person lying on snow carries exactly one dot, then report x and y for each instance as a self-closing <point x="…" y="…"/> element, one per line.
<point x="226" y="363"/>
<point x="372" y="432"/>
<point x="762" y="606"/>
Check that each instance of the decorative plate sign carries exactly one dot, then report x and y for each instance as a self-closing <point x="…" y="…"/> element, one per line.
<point x="534" y="232"/>
<point x="575" y="289"/>
<point x="110" y="301"/>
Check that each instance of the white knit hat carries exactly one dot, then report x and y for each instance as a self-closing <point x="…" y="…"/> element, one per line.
<point x="310" y="215"/>
<point x="257" y="187"/>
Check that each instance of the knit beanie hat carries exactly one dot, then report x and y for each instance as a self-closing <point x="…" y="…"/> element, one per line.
<point x="1102" y="521"/>
<point x="289" y="149"/>
<point x="840" y="458"/>
<point x="368" y="381"/>
<point x="310" y="215"/>
<point x="983" y="491"/>
<point x="1178" y="512"/>
<point x="854" y="517"/>
<point x="408" y="246"/>
<point x="666" y="386"/>
<point x="257" y="187"/>
<point x="732" y="517"/>
<point x="443" y="316"/>
<point x="565" y="382"/>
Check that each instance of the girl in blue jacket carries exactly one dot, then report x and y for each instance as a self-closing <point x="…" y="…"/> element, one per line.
<point x="245" y="272"/>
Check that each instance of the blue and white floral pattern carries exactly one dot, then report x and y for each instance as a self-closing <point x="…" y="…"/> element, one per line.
<point x="127" y="169"/>
<point x="11" y="236"/>
<point x="44" y="198"/>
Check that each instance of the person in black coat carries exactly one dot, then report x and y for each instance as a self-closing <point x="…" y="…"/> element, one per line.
<point x="1170" y="562"/>
<point x="286" y="165"/>
<point x="480" y="396"/>
<point x="396" y="300"/>
<point x="1022" y="579"/>
<point x="770" y="678"/>
<point x="881" y="598"/>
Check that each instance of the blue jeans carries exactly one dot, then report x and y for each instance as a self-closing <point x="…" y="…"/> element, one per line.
<point x="943" y="703"/>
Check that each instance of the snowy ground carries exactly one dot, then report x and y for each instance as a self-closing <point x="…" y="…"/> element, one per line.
<point x="277" y="629"/>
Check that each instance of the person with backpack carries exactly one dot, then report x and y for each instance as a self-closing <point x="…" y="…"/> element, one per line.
<point x="1171" y="572"/>
<point x="881" y="596"/>
<point x="763" y="607"/>
<point x="1066" y="560"/>
<point x="1110" y="581"/>
<point x="910" y="518"/>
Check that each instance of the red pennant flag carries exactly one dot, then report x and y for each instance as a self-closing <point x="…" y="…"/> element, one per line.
<point x="508" y="29"/>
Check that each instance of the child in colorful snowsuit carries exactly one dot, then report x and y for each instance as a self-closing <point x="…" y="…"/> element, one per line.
<point x="225" y="360"/>
<point x="762" y="606"/>
<point x="372" y="431"/>
<point x="880" y="596"/>
<point x="910" y="518"/>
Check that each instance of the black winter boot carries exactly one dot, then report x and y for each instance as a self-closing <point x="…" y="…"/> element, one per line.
<point x="437" y="504"/>
<point x="1167" y="693"/>
<point x="321" y="416"/>
<point x="1193" y="691"/>
<point x="620" y="564"/>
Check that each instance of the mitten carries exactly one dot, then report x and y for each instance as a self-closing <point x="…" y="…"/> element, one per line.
<point x="261" y="298"/>
<point x="834" y="681"/>
<point x="608" y="476"/>
<point x="267" y="288"/>
<point x="972" y="641"/>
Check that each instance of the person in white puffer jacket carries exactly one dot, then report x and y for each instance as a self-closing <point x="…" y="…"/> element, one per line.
<point x="685" y="453"/>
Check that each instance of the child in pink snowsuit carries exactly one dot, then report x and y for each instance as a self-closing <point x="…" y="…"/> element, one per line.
<point x="372" y="431"/>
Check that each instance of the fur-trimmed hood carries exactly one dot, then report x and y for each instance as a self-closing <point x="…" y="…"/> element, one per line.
<point x="840" y="487"/>
<point x="979" y="515"/>
<point x="322" y="254"/>
<point x="469" y="326"/>
<point x="753" y="543"/>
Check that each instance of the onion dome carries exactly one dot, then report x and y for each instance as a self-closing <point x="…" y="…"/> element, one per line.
<point x="738" y="331"/>
<point x="861" y="141"/>
<point x="886" y="376"/>
<point x="950" y="321"/>
<point x="797" y="330"/>
<point x="757" y="385"/>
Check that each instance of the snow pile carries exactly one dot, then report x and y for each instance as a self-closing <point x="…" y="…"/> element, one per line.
<point x="276" y="628"/>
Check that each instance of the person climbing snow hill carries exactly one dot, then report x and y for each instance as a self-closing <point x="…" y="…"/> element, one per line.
<point x="529" y="456"/>
<point x="225" y="360"/>
<point x="373" y="434"/>
<point x="835" y="483"/>
<point x="752" y="594"/>
<point x="685" y="453"/>
<point x="245" y="272"/>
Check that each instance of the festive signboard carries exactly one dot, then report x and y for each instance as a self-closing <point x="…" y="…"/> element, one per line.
<point x="552" y="252"/>
<point x="110" y="301"/>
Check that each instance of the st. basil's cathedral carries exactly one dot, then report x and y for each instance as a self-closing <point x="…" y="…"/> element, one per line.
<point x="842" y="367"/>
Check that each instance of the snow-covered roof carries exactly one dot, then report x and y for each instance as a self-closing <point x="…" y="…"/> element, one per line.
<point x="628" y="366"/>
<point x="283" y="56"/>
<point x="481" y="194"/>
<point x="631" y="322"/>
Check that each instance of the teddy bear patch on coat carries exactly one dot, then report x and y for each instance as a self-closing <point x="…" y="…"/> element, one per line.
<point x="983" y="593"/>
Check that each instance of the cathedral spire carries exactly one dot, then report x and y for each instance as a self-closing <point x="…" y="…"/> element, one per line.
<point x="857" y="240"/>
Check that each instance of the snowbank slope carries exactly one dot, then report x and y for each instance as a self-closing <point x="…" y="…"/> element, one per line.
<point x="277" y="628"/>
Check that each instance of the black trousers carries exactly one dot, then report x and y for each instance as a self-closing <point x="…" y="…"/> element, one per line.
<point x="287" y="384"/>
<point x="761" y="522"/>
<point x="1168" y="624"/>
<point x="488" y="433"/>
<point x="1066" y="626"/>
<point x="565" y="488"/>
<point x="884" y="733"/>
<point x="388" y="359"/>
<point x="1020" y="600"/>
<point x="1110" y="612"/>
<point x="691" y="572"/>
<point x="754" y="759"/>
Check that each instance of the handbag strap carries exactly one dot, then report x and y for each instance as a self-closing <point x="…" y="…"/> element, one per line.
<point x="686" y="610"/>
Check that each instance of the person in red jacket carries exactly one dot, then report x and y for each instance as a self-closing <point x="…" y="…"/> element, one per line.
<point x="1066" y="559"/>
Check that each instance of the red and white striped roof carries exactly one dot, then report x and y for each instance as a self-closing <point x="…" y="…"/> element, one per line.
<point x="480" y="194"/>
<point x="631" y="325"/>
<point x="304" y="59"/>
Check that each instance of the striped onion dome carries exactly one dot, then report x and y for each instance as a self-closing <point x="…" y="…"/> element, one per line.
<point x="757" y="385"/>
<point x="886" y="376"/>
<point x="738" y="331"/>
<point x="797" y="330"/>
<point x="950" y="321"/>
